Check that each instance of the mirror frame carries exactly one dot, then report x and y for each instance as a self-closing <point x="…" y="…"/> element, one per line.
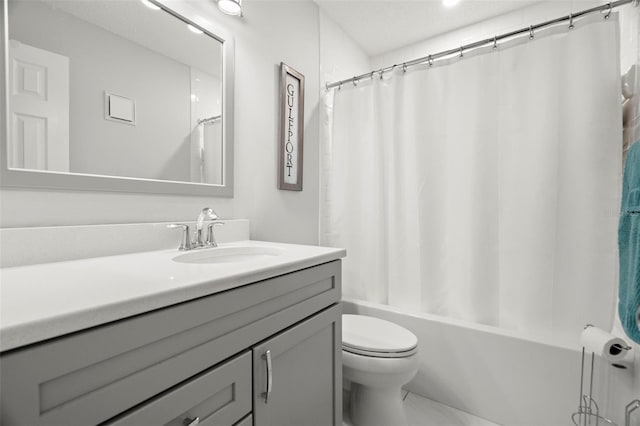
<point x="20" y="178"/>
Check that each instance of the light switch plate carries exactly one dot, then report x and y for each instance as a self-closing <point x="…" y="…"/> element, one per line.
<point x="119" y="108"/>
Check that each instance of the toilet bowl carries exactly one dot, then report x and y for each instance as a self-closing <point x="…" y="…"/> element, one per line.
<point x="378" y="357"/>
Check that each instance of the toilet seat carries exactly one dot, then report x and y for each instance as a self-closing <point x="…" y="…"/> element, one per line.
<point x="375" y="337"/>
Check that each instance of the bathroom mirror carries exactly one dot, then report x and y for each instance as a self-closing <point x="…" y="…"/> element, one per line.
<point x="126" y="95"/>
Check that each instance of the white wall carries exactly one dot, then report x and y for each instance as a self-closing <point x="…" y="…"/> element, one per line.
<point x="269" y="33"/>
<point x="629" y="36"/>
<point x="340" y="56"/>
<point x="276" y="31"/>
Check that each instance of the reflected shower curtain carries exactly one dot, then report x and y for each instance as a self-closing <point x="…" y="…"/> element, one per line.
<point x="485" y="188"/>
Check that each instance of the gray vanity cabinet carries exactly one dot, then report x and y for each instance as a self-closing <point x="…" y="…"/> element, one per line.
<point x="197" y="362"/>
<point x="293" y="381"/>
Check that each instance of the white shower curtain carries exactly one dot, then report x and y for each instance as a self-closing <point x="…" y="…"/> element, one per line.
<point x="485" y="188"/>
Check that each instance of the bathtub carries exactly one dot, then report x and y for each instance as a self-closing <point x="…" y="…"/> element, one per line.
<point x="492" y="373"/>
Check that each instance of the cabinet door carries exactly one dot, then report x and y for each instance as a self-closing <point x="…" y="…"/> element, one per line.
<point x="297" y="378"/>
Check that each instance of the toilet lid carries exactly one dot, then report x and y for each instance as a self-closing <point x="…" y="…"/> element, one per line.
<point x="376" y="337"/>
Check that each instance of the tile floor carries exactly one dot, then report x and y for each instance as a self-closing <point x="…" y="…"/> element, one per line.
<point x="425" y="412"/>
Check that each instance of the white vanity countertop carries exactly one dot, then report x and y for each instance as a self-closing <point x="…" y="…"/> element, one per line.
<point x="38" y="302"/>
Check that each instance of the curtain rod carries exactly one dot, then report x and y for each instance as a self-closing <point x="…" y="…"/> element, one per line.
<point x="493" y="40"/>
<point x="208" y="120"/>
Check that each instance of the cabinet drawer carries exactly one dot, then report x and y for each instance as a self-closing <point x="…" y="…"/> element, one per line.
<point x="220" y="396"/>
<point x="89" y="377"/>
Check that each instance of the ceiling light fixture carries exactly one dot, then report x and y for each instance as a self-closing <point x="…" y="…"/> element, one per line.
<point x="450" y="3"/>
<point x="231" y="7"/>
<point x="150" y="5"/>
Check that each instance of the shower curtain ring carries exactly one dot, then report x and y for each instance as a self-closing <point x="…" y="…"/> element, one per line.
<point x="531" y="36"/>
<point x="608" y="12"/>
<point x="381" y="74"/>
<point x="461" y="51"/>
<point x="430" y="61"/>
<point x="404" y="67"/>
<point x="495" y="42"/>
<point x="372" y="73"/>
<point x="571" y="21"/>
<point x="340" y="85"/>
<point x="354" y="80"/>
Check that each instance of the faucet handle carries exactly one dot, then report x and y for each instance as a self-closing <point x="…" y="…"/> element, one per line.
<point x="211" y="239"/>
<point x="185" y="242"/>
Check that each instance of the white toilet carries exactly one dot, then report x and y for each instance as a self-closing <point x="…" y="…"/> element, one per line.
<point x="378" y="357"/>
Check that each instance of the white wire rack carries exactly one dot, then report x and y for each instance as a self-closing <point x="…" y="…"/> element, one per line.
<point x="588" y="413"/>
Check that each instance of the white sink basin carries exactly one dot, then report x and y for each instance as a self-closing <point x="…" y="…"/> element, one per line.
<point x="228" y="255"/>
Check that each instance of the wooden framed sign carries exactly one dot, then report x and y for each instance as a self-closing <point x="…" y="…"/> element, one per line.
<point x="290" y="143"/>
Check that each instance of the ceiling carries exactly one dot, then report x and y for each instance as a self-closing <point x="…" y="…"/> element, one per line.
<point x="379" y="26"/>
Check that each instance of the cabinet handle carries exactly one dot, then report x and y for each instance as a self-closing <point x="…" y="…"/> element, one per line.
<point x="191" y="422"/>
<point x="267" y="357"/>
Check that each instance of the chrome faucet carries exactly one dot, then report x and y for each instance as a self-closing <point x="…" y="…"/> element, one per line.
<point x="198" y="241"/>
<point x="206" y="213"/>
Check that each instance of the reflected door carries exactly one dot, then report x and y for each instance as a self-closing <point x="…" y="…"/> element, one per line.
<point x="39" y="108"/>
